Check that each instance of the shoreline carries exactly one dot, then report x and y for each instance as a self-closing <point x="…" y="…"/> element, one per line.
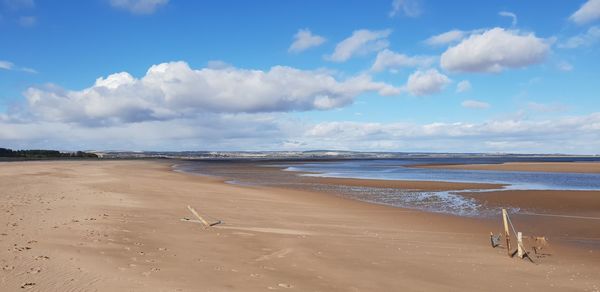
<point x="252" y="173"/>
<point x="540" y="210"/>
<point x="114" y="225"/>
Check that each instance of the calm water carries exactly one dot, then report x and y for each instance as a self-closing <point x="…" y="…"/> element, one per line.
<point x="397" y="169"/>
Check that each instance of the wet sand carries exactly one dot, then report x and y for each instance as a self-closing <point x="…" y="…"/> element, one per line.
<point x="574" y="167"/>
<point x="115" y="226"/>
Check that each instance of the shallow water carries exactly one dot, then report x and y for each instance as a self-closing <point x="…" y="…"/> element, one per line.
<point x="399" y="170"/>
<point x="449" y="202"/>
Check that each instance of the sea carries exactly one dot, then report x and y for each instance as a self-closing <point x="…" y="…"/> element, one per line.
<point x="450" y="202"/>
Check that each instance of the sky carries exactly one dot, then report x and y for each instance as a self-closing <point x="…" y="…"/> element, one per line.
<point x="498" y="76"/>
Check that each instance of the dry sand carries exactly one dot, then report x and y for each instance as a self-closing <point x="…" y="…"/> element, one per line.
<point x="115" y="226"/>
<point x="577" y="167"/>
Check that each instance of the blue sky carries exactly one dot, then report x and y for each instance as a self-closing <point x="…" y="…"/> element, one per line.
<point x="393" y="75"/>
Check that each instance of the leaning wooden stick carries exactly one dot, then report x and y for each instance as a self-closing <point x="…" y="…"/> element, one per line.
<point x="506" y="233"/>
<point x="198" y="216"/>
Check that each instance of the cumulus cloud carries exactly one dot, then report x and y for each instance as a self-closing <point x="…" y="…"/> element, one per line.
<point x="586" y="39"/>
<point x="387" y="59"/>
<point x="588" y="12"/>
<point x="463" y="86"/>
<point x="475" y="104"/>
<point x="510" y="15"/>
<point x="410" y="8"/>
<point x="139" y="6"/>
<point x="208" y="131"/>
<point x="275" y="131"/>
<point x="426" y="82"/>
<point x="174" y="90"/>
<point x="495" y="50"/>
<point x="359" y="43"/>
<point x="304" y="39"/>
<point x="577" y="134"/>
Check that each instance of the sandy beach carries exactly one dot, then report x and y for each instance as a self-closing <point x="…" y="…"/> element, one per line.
<point x="116" y="226"/>
<point x="574" y="167"/>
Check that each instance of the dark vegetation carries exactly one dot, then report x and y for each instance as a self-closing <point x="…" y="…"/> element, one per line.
<point x="43" y="154"/>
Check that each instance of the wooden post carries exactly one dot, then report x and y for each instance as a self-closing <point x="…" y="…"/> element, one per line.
<point x="520" y="251"/>
<point x="198" y="216"/>
<point x="506" y="232"/>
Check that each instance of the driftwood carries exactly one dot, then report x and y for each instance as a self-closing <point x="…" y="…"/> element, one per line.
<point x="200" y="219"/>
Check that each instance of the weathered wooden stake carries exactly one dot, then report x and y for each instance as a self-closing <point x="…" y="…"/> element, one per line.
<point x="506" y="232"/>
<point x="520" y="251"/>
<point x="198" y="216"/>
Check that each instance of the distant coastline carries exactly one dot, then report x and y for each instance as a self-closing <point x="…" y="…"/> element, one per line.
<point x="41" y="154"/>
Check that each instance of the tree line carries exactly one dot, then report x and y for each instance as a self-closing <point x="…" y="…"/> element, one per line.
<point x="38" y="154"/>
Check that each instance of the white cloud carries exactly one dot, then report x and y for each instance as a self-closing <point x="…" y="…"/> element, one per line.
<point x="387" y="59"/>
<point x="463" y="86"/>
<point x="445" y="38"/>
<point x="174" y="90"/>
<point x="578" y="134"/>
<point x="268" y="131"/>
<point x="27" y="21"/>
<point x="6" y="65"/>
<point x="207" y="131"/>
<point x="509" y="14"/>
<point x="138" y="6"/>
<point x="426" y="82"/>
<point x="410" y="8"/>
<point x="588" y="12"/>
<point x="304" y="40"/>
<point x="475" y="104"/>
<point x="590" y="37"/>
<point x="495" y="50"/>
<point x="359" y="43"/>
<point x="564" y="66"/>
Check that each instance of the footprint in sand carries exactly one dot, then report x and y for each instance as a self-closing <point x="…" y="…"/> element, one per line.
<point x="34" y="270"/>
<point x="8" y="268"/>
<point x="153" y="270"/>
<point x="27" y="285"/>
